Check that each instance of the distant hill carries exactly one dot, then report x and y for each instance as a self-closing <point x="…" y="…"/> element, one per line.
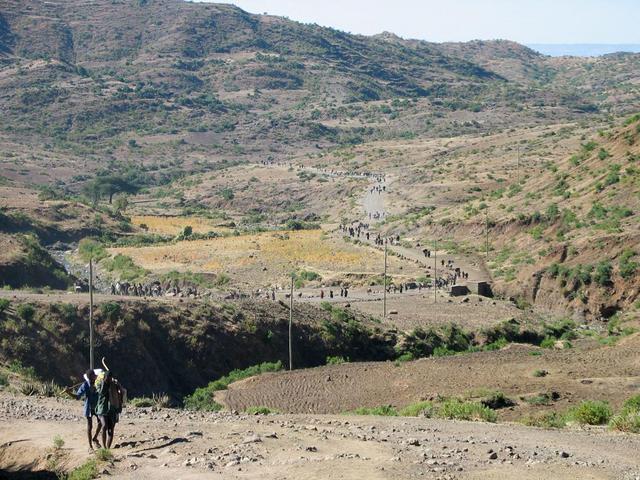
<point x="583" y="49"/>
<point x="122" y="82"/>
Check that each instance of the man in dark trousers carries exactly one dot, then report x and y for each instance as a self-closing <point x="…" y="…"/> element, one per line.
<point x="88" y="392"/>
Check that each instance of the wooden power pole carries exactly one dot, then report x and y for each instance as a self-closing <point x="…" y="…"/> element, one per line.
<point x="486" y="234"/>
<point x="291" y="326"/>
<point x="435" y="272"/>
<point x="384" y="293"/>
<point x="91" y="342"/>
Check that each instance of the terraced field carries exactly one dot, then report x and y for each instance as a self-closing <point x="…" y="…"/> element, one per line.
<point x="266" y="259"/>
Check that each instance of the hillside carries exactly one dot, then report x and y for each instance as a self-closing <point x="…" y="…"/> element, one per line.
<point x="92" y="85"/>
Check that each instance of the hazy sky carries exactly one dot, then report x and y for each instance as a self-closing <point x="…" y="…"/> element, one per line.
<point x="525" y="21"/>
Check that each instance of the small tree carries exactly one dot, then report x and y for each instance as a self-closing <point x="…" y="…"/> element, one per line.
<point x="91" y="249"/>
<point x="121" y="203"/>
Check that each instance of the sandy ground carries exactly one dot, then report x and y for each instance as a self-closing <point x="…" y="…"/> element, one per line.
<point x="171" y="444"/>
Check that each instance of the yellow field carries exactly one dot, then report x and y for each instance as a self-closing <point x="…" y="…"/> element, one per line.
<point x="261" y="258"/>
<point x="174" y="225"/>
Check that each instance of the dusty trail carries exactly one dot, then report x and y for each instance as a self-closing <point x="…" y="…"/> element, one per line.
<point x="170" y="444"/>
<point x="373" y="202"/>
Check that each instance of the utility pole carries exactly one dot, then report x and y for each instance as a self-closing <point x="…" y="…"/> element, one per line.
<point x="435" y="272"/>
<point x="291" y="326"/>
<point x="91" y="314"/>
<point x="518" y="164"/>
<point x="486" y="234"/>
<point x="384" y="293"/>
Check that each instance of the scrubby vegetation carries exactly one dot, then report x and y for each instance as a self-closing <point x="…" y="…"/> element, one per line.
<point x="202" y="398"/>
<point x="450" y="408"/>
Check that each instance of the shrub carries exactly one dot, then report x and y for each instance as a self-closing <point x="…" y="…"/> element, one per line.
<point x="110" y="310"/>
<point x="406" y="357"/>
<point x="124" y="267"/>
<point x="548" y="342"/>
<point x="4" y="380"/>
<point x="458" y="410"/>
<point x="563" y="329"/>
<point x="540" y="399"/>
<point x="26" y="311"/>
<point x="383" y="411"/>
<point x="4" y="304"/>
<point x="417" y="409"/>
<point x="227" y="194"/>
<point x="16" y="367"/>
<point x="496" y="400"/>
<point x="540" y="373"/>
<point x="591" y="412"/>
<point x="632" y="404"/>
<point x="627" y="266"/>
<point x="545" y="420"/>
<point x="202" y="398"/>
<point x="337" y="360"/>
<point x="86" y="471"/>
<point x="443" y="352"/>
<point x="626" y="421"/>
<point x="141" y="402"/>
<point x="58" y="442"/>
<point x="602" y="274"/>
<point x="104" y="454"/>
<point x="260" y="411"/>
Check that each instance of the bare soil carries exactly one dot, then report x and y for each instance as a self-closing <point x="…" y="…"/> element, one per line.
<point x="589" y="371"/>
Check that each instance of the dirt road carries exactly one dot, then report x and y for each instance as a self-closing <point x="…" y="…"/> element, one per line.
<point x="170" y="444"/>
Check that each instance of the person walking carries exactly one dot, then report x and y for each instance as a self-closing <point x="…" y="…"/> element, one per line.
<point x="88" y="392"/>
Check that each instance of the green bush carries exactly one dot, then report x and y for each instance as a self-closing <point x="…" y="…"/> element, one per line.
<point x="4" y="380"/>
<point x="548" y="342"/>
<point x="86" y="471"/>
<point x="141" y="402"/>
<point x="124" y="268"/>
<point x="496" y="400"/>
<point x="202" y="398"/>
<point x="383" y="411"/>
<point x="58" y="442"/>
<point x="459" y="410"/>
<point x="260" y="411"/>
<point x="16" y="366"/>
<point x="591" y="412"/>
<point x="26" y="311"/>
<point x="545" y="420"/>
<point x="104" y="454"/>
<point x="632" y="404"/>
<point x="627" y="266"/>
<point x="110" y="310"/>
<point x="4" y="304"/>
<point x="602" y="274"/>
<point x="540" y="399"/>
<point x="337" y="360"/>
<point x="626" y="421"/>
<point x="417" y="409"/>
<point x="405" y="357"/>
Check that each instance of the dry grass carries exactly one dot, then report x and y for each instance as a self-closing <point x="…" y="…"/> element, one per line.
<point x="262" y="258"/>
<point x="172" y="225"/>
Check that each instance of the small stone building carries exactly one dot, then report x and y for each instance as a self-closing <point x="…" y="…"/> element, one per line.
<point x="459" y="290"/>
<point x="480" y="288"/>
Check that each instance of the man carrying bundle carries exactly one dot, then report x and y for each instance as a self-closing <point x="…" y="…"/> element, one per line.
<point x="110" y="400"/>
